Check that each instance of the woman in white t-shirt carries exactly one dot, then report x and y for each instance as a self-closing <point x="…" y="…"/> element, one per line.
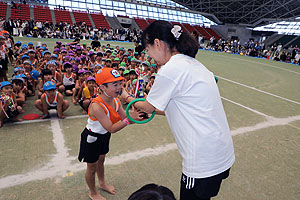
<point x="188" y="94"/>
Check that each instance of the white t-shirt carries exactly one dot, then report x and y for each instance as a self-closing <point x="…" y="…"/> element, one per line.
<point x="189" y="95"/>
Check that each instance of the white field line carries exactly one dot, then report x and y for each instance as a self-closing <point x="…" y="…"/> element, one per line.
<point x="265" y="64"/>
<point x="250" y="109"/>
<point x="61" y="161"/>
<point x="262" y="91"/>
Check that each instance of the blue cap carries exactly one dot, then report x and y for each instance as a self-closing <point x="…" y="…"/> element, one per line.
<point x="17" y="69"/>
<point x="34" y="74"/>
<point x="54" y="56"/>
<point x="22" y="76"/>
<point x="27" y="61"/>
<point x="44" y="52"/>
<point x="49" y="85"/>
<point x="30" y="43"/>
<point x="18" y="42"/>
<point x="24" y="56"/>
<point x="51" y="62"/>
<point x="24" y="46"/>
<point x="18" y="78"/>
<point x="4" y="83"/>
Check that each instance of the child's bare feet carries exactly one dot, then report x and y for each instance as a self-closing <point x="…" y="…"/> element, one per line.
<point x="84" y="112"/>
<point x="74" y="101"/>
<point x="108" y="188"/>
<point x="96" y="197"/>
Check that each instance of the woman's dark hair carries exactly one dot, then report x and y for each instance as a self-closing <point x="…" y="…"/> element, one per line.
<point x="186" y="43"/>
<point x="152" y="192"/>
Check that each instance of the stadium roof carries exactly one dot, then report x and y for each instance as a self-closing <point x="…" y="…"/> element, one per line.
<point x="248" y="12"/>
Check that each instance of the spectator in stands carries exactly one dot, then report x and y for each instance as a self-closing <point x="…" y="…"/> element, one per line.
<point x="138" y="47"/>
<point x="95" y="43"/>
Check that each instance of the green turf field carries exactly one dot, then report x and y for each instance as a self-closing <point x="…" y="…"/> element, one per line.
<point x="38" y="159"/>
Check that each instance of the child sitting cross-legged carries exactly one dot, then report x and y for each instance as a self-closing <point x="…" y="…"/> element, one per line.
<point x="88" y="93"/>
<point x="46" y="76"/>
<point x="8" y="106"/>
<point x="51" y="99"/>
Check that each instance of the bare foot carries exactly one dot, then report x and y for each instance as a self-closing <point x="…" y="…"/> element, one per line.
<point x="108" y="188"/>
<point x="96" y="197"/>
<point x="74" y="101"/>
<point x="84" y="112"/>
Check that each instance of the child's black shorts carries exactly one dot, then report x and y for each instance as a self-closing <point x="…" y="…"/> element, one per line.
<point x="69" y="87"/>
<point x="201" y="188"/>
<point x="92" y="145"/>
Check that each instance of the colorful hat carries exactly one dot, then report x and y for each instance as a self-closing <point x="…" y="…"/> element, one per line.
<point x="49" y="85"/>
<point x="117" y="59"/>
<point x="56" y="49"/>
<point x="27" y="62"/>
<point x="24" y="56"/>
<point x="5" y="83"/>
<point x="17" y="69"/>
<point x="126" y="72"/>
<point x="30" y="43"/>
<point x="75" y="68"/>
<point x="51" y="62"/>
<point x="122" y="64"/>
<point x="54" y="56"/>
<point x="34" y="74"/>
<point x="107" y="75"/>
<point x="146" y="63"/>
<point x="134" y="81"/>
<point x="81" y="71"/>
<point x="107" y="60"/>
<point x="153" y="65"/>
<point x="44" y="52"/>
<point x="18" y="78"/>
<point x="90" y="79"/>
<point x="67" y="65"/>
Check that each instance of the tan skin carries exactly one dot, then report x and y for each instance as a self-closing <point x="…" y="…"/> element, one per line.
<point x="86" y="101"/>
<point x="96" y="111"/>
<point x="62" y="105"/>
<point x="41" y="84"/>
<point x="77" y="87"/>
<point x="69" y="92"/>
<point x="9" y="91"/>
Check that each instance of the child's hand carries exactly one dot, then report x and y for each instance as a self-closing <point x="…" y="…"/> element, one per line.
<point x="124" y="95"/>
<point x="138" y="115"/>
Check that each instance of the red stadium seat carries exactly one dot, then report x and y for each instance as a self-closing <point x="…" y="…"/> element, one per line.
<point x="100" y="21"/>
<point x="81" y="16"/>
<point x="42" y="13"/>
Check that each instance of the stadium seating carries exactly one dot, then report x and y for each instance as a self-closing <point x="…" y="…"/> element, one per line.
<point x="151" y="20"/>
<point x="22" y="11"/>
<point x="42" y="13"/>
<point x="202" y="32"/>
<point x="63" y="16"/>
<point x="2" y="9"/>
<point x="81" y="16"/>
<point x="212" y="33"/>
<point x="189" y="27"/>
<point x="142" y="23"/>
<point x="296" y="42"/>
<point x="99" y="20"/>
<point x="285" y="39"/>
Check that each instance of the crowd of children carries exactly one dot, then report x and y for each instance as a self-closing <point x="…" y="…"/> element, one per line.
<point x="67" y="71"/>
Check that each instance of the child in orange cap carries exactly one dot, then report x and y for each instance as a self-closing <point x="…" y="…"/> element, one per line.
<point x="106" y="116"/>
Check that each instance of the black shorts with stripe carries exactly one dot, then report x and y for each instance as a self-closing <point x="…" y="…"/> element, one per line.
<point x="92" y="145"/>
<point x="201" y="188"/>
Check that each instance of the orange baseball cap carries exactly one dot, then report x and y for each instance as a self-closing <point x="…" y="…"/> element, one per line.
<point x="107" y="75"/>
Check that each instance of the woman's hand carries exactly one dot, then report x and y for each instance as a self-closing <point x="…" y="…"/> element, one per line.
<point x="138" y="115"/>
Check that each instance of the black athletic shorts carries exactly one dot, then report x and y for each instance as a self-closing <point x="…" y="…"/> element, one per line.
<point x="3" y="63"/>
<point x="92" y="145"/>
<point x="201" y="188"/>
<point x="69" y="87"/>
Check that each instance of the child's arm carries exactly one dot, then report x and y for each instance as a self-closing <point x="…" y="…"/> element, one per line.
<point x="96" y="111"/>
<point x="80" y="92"/>
<point x="60" y="101"/>
<point x="44" y="105"/>
<point x="77" y="84"/>
<point x="59" y="79"/>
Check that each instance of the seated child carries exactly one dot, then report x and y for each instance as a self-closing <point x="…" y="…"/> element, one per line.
<point x="69" y="79"/>
<point x="8" y="106"/>
<point x="46" y="76"/>
<point x="150" y="83"/>
<point x="88" y="93"/>
<point x="51" y="99"/>
<point x="18" y="87"/>
<point x="78" y="84"/>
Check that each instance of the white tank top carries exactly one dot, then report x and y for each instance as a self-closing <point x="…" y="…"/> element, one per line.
<point x="95" y="126"/>
<point x="8" y="43"/>
<point x="54" y="102"/>
<point x="68" y="80"/>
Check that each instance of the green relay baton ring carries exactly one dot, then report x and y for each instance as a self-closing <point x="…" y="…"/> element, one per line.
<point x="136" y="121"/>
